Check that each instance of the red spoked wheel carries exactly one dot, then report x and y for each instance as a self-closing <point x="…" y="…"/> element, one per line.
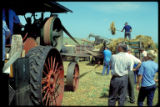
<point x="52" y="82"/>
<point x="46" y="76"/>
<point x="72" y="76"/>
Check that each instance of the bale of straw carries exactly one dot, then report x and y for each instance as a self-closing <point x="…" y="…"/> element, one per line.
<point x="114" y="43"/>
<point x="113" y="29"/>
<point x="147" y="42"/>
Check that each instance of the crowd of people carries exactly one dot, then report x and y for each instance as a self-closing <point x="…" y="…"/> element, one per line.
<point x="125" y="67"/>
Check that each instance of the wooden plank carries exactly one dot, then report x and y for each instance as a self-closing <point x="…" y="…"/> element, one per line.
<point x="133" y="42"/>
<point x="136" y="51"/>
<point x="75" y="54"/>
<point x="135" y="47"/>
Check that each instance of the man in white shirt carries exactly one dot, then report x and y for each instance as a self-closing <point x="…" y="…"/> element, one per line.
<point x="120" y="66"/>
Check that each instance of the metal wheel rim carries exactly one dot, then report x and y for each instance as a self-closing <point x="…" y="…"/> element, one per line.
<point x="52" y="82"/>
<point x="76" y="77"/>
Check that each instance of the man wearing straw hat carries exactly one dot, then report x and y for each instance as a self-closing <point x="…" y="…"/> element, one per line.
<point x="128" y="30"/>
<point x="146" y="75"/>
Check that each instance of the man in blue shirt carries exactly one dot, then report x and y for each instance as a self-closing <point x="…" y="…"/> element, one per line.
<point x="146" y="74"/>
<point x="107" y="56"/>
<point x="6" y="34"/>
<point x="11" y="18"/>
<point x="128" y="30"/>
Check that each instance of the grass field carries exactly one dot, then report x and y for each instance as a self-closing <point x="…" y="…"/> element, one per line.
<point x="93" y="88"/>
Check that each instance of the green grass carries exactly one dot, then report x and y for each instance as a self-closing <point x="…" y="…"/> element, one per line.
<point x="93" y="88"/>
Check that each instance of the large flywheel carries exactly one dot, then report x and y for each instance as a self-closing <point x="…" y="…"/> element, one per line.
<point x="52" y="33"/>
<point x="46" y="76"/>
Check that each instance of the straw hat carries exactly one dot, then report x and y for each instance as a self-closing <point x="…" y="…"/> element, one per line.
<point x="152" y="54"/>
<point x="144" y="53"/>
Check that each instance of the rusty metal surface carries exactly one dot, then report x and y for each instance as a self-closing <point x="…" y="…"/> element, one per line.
<point x="29" y="43"/>
<point x="47" y="31"/>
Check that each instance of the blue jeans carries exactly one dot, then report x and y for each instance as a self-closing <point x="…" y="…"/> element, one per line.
<point x="105" y="65"/>
<point x="127" y="34"/>
<point x="146" y="92"/>
<point x="135" y="76"/>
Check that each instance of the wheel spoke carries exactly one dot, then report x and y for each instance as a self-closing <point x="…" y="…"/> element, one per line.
<point x="53" y="63"/>
<point x="44" y="88"/>
<point x="44" y="80"/>
<point x="49" y="64"/>
<point x="56" y="92"/>
<point x="55" y="98"/>
<point x="56" y="67"/>
<point x="45" y="96"/>
<point x="46" y="67"/>
<point x="52" y="100"/>
<point x="44" y="73"/>
<point x="57" y="76"/>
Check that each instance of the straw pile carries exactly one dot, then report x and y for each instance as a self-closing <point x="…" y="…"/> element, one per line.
<point x="114" y="43"/>
<point x="99" y="47"/>
<point x="113" y="29"/>
<point x="147" y="42"/>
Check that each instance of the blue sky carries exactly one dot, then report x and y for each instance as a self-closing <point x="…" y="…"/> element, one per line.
<point x="96" y="17"/>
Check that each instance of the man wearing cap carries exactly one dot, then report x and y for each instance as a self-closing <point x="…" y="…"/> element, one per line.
<point x="120" y="66"/>
<point x="128" y="30"/>
<point x="146" y="76"/>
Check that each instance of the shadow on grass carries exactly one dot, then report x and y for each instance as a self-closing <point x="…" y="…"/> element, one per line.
<point x="99" y="73"/>
<point x="84" y="74"/>
<point x="91" y="64"/>
<point x="104" y="95"/>
<point x="69" y="88"/>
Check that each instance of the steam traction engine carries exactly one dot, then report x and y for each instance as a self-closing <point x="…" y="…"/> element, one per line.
<point x="35" y="66"/>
